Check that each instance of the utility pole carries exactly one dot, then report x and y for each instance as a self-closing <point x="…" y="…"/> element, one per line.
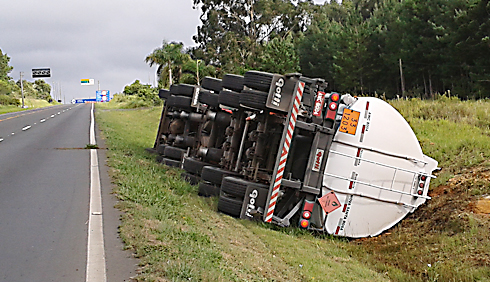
<point x="197" y="71"/>
<point x="22" y="88"/>
<point x="401" y="78"/>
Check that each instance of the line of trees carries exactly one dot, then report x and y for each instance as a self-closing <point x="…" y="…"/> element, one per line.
<point x="10" y="91"/>
<point x="358" y="46"/>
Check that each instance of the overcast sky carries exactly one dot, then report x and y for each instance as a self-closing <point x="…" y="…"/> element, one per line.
<point x="99" y="39"/>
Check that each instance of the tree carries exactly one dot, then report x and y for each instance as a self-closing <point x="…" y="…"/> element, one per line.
<point x="43" y="89"/>
<point x="232" y="32"/>
<point x="5" y="69"/>
<point x="280" y="56"/>
<point x="167" y="56"/>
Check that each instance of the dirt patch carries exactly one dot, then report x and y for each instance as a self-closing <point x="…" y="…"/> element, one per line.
<point x="482" y="206"/>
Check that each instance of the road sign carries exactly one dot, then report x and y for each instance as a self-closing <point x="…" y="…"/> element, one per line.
<point x="86" y="81"/>
<point x="46" y="72"/>
<point x="103" y="95"/>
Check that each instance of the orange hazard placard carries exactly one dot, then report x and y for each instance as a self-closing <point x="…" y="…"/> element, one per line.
<point x="329" y="202"/>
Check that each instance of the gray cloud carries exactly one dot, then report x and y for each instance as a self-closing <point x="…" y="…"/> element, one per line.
<point x="100" y="39"/>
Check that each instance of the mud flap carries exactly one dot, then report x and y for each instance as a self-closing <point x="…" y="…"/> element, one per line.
<point x="254" y="203"/>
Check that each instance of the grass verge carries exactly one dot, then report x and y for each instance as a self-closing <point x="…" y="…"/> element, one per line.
<point x="179" y="236"/>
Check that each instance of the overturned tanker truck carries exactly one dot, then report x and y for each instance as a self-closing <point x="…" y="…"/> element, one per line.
<point x="348" y="166"/>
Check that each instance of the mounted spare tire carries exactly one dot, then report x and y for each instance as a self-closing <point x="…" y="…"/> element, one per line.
<point x="233" y="82"/>
<point x="211" y="83"/>
<point x="258" y="80"/>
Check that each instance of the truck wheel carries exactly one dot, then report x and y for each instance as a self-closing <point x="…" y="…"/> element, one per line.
<point x="215" y="175"/>
<point x="186" y="90"/>
<point x="174" y="152"/>
<point x="208" y="98"/>
<point x="211" y="83"/>
<point x="234" y="186"/>
<point x="229" y="205"/>
<point x="233" y="82"/>
<point x="192" y="179"/>
<point x="254" y="99"/>
<point x="170" y="162"/>
<point x="159" y="159"/>
<point x="258" y="80"/>
<point x="193" y="166"/>
<point x="161" y="149"/>
<point x="174" y="89"/>
<point x="207" y="189"/>
<point x="237" y="187"/>
<point x="214" y="155"/>
<point x="229" y="98"/>
<point x="164" y="94"/>
<point x="180" y="102"/>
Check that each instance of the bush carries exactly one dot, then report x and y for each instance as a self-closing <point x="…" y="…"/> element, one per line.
<point x="8" y="100"/>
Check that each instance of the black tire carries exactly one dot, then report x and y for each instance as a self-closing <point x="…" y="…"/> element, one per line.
<point x="215" y="175"/>
<point x="230" y="206"/>
<point x="237" y="187"/>
<point x="211" y="83"/>
<point x="164" y="94"/>
<point x="192" y="179"/>
<point x="208" y="190"/>
<point x="208" y="98"/>
<point x="180" y="102"/>
<point x="161" y="149"/>
<point x="174" y="152"/>
<point x="254" y="99"/>
<point x="233" y="82"/>
<point x="229" y="98"/>
<point x="170" y="162"/>
<point x="186" y="90"/>
<point x="258" y="80"/>
<point x="194" y="166"/>
<point x="159" y="159"/>
<point x="214" y="155"/>
<point x="174" y="89"/>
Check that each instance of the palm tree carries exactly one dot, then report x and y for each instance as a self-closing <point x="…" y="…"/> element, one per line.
<point x="165" y="57"/>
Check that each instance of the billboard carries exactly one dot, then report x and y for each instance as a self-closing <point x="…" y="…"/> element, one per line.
<point x="103" y="95"/>
<point x="87" y="81"/>
<point x="46" y="72"/>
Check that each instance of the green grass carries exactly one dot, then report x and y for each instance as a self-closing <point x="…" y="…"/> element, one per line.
<point x="179" y="236"/>
<point x="31" y="103"/>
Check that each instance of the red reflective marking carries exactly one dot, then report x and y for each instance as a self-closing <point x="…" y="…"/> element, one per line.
<point x="280" y="170"/>
<point x="345" y="207"/>
<point x="351" y="184"/>
<point x="282" y="162"/>
<point x="295" y="108"/>
<point x="290" y="134"/>
<point x="367" y="106"/>
<point x="363" y="129"/>
<point x="358" y="152"/>
<point x="337" y="231"/>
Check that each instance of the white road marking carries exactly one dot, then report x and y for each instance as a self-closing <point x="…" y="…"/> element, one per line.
<point x="1" y="139"/>
<point x="52" y="116"/>
<point x="96" y="265"/>
<point x="26" y="127"/>
<point x="43" y="120"/>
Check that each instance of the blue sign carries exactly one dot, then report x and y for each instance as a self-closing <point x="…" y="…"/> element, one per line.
<point x="83" y="101"/>
<point x="103" y="95"/>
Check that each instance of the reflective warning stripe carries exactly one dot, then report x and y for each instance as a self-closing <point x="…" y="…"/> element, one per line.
<point x="285" y="152"/>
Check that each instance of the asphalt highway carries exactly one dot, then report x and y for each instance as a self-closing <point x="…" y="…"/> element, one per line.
<point x="44" y="198"/>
